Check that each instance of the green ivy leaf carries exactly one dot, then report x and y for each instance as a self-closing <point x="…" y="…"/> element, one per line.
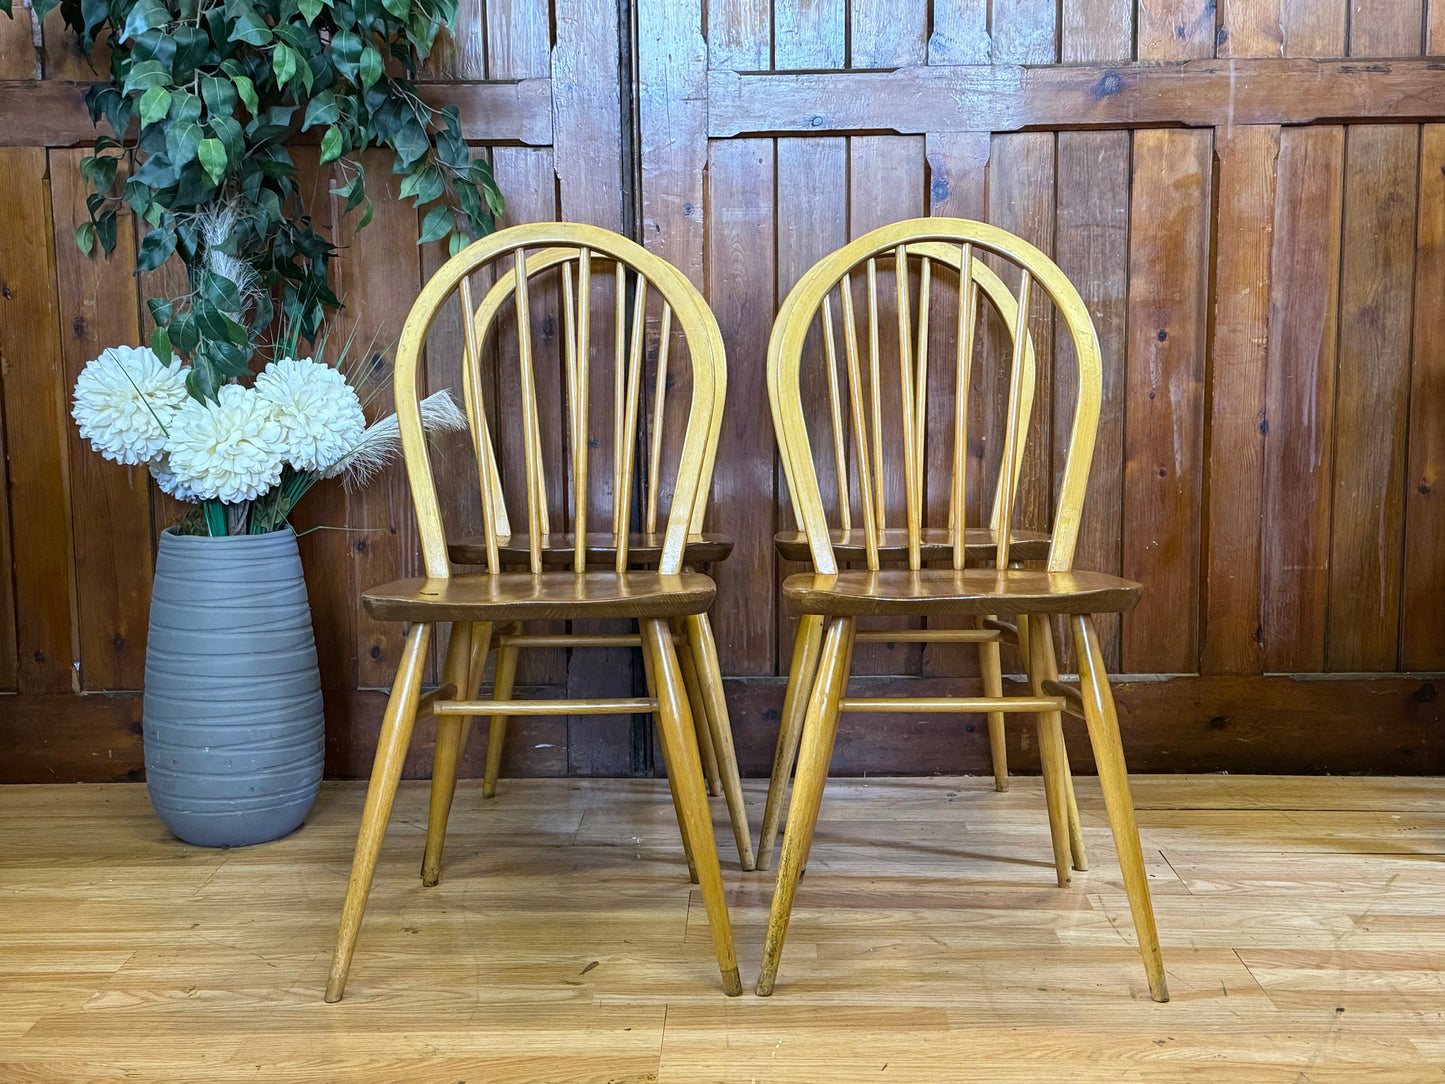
<point x="145" y="74"/>
<point x="323" y="109"/>
<point x="160" y="310"/>
<point x="154" y="105"/>
<point x="161" y="344"/>
<point x="219" y="95"/>
<point x="182" y="140"/>
<point x="370" y="67"/>
<point x="283" y="64"/>
<point x="146" y="15"/>
<point x="437" y="224"/>
<point x="247" y="90"/>
<point x="332" y="145"/>
<point x="366" y="215"/>
<point x="212" y="153"/>
<point x="309" y="10"/>
<point x="155" y="249"/>
<point x="455" y="243"/>
<point x="250" y="28"/>
<point x="85" y="237"/>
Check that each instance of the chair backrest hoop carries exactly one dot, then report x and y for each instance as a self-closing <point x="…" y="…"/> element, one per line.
<point x="705" y="355"/>
<point x="797" y="313"/>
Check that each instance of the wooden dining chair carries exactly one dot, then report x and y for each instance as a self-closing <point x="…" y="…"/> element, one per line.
<point x="891" y="543"/>
<point x="702" y="674"/>
<point x="478" y="603"/>
<point x="1025" y="599"/>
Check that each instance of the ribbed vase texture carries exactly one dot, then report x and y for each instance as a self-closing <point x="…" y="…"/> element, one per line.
<point x="233" y="728"/>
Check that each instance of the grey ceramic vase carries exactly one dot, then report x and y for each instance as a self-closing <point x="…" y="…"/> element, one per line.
<point x="232" y="721"/>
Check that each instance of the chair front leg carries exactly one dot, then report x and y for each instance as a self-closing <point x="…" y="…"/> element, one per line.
<point x="709" y="672"/>
<point x="650" y="675"/>
<point x="391" y="746"/>
<point x="679" y="742"/>
<point x="456" y="672"/>
<point x="502" y="683"/>
<point x="1076" y="830"/>
<point x="807" y="646"/>
<point x="691" y="680"/>
<point x="1055" y="762"/>
<point x="1103" y="722"/>
<point x="991" y="665"/>
<point x="820" y="730"/>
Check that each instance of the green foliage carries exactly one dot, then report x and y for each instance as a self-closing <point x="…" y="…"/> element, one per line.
<point x="203" y="97"/>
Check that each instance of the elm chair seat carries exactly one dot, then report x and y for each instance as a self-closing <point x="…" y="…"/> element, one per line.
<point x="940" y="592"/>
<point x="520" y="596"/>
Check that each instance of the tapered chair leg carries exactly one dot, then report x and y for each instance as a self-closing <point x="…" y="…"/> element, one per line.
<point x="807" y="646"/>
<point x="396" y="726"/>
<point x="1103" y="723"/>
<point x="456" y="672"/>
<point x="1042" y="667"/>
<point x="476" y="668"/>
<point x="692" y="682"/>
<point x="820" y="730"/>
<point x="703" y="648"/>
<point x="1076" y="831"/>
<point x="680" y="745"/>
<point x="502" y="682"/>
<point x="991" y="666"/>
<point x="650" y="674"/>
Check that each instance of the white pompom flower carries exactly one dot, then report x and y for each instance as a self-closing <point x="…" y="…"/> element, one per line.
<point x="318" y="411"/>
<point x="166" y="479"/>
<point x="124" y="401"/>
<point x="231" y="450"/>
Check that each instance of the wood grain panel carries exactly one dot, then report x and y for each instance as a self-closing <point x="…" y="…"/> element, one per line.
<point x="1300" y="396"/>
<point x="1168" y="258"/>
<point x="960" y="33"/>
<point x="1314" y="27"/>
<point x="740" y="34"/>
<point x="19" y="59"/>
<point x="1096" y="30"/>
<point x="1093" y="250"/>
<point x="1175" y="29"/>
<point x="1372" y="396"/>
<point x="1233" y="640"/>
<point x="1024" y="31"/>
<point x="1435" y="29"/>
<point x="1386" y="27"/>
<point x="36" y="429"/>
<point x="61" y="56"/>
<point x="1422" y="617"/>
<point x="742" y="295"/>
<point x="98" y="308"/>
<point x="1250" y="28"/>
<point x="887" y="35"/>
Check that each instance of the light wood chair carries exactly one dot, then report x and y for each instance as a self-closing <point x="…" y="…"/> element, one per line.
<point x="701" y="671"/>
<point x="891" y="543"/>
<point x="1030" y="596"/>
<point x="479" y="603"/>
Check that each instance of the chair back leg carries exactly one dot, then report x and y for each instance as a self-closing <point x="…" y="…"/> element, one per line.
<point x="456" y="671"/>
<point x="502" y="683"/>
<point x="703" y="649"/>
<point x="807" y="646"/>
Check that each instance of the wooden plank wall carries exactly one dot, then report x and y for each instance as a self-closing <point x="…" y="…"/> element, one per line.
<point x="1265" y="285"/>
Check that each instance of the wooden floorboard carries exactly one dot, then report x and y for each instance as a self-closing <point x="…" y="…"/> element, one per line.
<point x="1302" y="922"/>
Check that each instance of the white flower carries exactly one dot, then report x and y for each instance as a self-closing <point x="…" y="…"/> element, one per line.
<point x="318" y="411"/>
<point x="124" y="400"/>
<point x="229" y="451"/>
<point x="160" y="468"/>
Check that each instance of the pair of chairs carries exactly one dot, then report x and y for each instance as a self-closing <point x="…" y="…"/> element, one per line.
<point x="911" y="571"/>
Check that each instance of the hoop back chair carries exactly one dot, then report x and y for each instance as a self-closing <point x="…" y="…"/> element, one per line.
<point x="702" y="673"/>
<point x="477" y="603"/>
<point x="842" y="596"/>
<point x="892" y="544"/>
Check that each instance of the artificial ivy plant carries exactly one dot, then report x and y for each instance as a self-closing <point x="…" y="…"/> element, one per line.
<point x="203" y="98"/>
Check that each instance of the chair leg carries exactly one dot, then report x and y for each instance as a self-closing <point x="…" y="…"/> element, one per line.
<point x="806" y="647"/>
<point x="703" y="648"/>
<point x="1103" y="723"/>
<point x="396" y="726"/>
<point x="699" y="715"/>
<point x="992" y="666"/>
<point x="1051" y="743"/>
<point x="476" y="668"/>
<point x="680" y="745"/>
<point x="651" y="677"/>
<point x="1076" y="831"/>
<point x="502" y="683"/>
<point x="456" y="671"/>
<point x="820" y="729"/>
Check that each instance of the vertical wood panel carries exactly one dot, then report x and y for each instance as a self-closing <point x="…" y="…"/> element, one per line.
<point x="1314" y="27"/>
<point x="810" y="34"/>
<point x="1435" y="29"/>
<point x="61" y="56"/>
<point x="1233" y="639"/>
<point x="1176" y="29"/>
<point x="1164" y="419"/>
<point x="1422" y="625"/>
<point x="1300" y="396"/>
<point x="1024" y="31"/>
<point x="1371" y="400"/>
<point x="1386" y="27"/>
<point x="109" y="503"/>
<point x="36" y="428"/>
<point x="1094" y="30"/>
<point x="889" y="35"/>
<point x="1093" y="250"/>
<point x="739" y="34"/>
<point x="19" y="59"/>
<point x="1250" y="28"/>
<point x="960" y="33"/>
<point x="742" y="295"/>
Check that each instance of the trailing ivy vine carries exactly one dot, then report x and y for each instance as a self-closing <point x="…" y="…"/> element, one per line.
<point x="203" y="98"/>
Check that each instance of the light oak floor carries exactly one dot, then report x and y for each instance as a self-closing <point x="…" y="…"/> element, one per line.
<point x="1302" y="920"/>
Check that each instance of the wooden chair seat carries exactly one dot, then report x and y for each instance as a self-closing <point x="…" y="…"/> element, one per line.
<point x="521" y="596"/>
<point x="643" y="548"/>
<point x="938" y="592"/>
<point x="936" y="543"/>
